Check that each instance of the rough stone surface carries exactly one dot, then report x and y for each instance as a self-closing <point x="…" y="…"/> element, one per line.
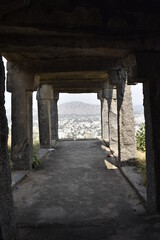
<point x="113" y="124"/>
<point x="7" y="220"/>
<point x="135" y="179"/>
<point x="152" y="118"/>
<point x="74" y="196"/>
<point x="17" y="177"/>
<point x="44" y="117"/>
<point x="54" y="119"/>
<point x="42" y="153"/>
<point x="105" y="119"/>
<point x="21" y="84"/>
<point x="126" y="125"/>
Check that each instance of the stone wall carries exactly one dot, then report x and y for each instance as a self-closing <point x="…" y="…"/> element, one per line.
<point x="7" y="221"/>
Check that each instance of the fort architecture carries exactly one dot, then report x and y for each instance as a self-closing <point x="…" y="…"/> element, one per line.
<point x="82" y="46"/>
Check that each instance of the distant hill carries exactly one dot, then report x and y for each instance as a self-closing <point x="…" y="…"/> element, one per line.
<point x="78" y="108"/>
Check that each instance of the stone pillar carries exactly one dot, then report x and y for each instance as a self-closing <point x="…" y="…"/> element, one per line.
<point x="104" y="119"/>
<point x="20" y="84"/>
<point x="54" y="116"/>
<point x="125" y="117"/>
<point x="126" y="125"/>
<point x="7" y="220"/>
<point x="99" y="97"/>
<point x="151" y="91"/>
<point x="113" y="124"/>
<point x="44" y="97"/>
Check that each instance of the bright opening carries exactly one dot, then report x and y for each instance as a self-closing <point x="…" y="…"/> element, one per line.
<point x="137" y="99"/>
<point x="79" y="116"/>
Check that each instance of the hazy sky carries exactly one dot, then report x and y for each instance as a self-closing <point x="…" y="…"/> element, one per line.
<point x="91" y="98"/>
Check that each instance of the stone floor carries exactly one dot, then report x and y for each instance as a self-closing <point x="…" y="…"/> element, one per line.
<point x="73" y="196"/>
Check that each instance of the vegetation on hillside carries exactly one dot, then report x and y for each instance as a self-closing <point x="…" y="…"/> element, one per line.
<point x="141" y="159"/>
<point x="36" y="147"/>
<point x="140" y="138"/>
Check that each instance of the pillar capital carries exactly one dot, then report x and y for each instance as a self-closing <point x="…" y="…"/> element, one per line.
<point x="148" y="65"/>
<point x="18" y="79"/>
<point x="125" y="70"/>
<point x="45" y="92"/>
<point x="130" y="65"/>
<point x="117" y="75"/>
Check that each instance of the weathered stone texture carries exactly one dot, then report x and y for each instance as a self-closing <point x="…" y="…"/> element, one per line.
<point x="152" y="119"/>
<point x="113" y="125"/>
<point x="21" y="152"/>
<point x="54" y="116"/>
<point x="7" y="221"/>
<point x="126" y="125"/>
<point x="44" y="115"/>
<point x="20" y="84"/>
<point x="104" y="116"/>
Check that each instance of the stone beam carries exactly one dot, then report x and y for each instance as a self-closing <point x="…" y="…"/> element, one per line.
<point x="13" y="41"/>
<point x="74" y="84"/>
<point x="148" y="65"/>
<point x="76" y="90"/>
<point x="6" y="8"/>
<point x="77" y="76"/>
<point x="40" y="63"/>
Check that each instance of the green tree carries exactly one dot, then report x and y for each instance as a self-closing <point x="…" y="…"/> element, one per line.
<point x="140" y="138"/>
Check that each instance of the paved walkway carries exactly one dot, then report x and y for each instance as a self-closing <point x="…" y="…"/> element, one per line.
<point x="74" y="196"/>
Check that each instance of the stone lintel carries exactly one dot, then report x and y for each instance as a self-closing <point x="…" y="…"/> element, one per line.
<point x="76" y="90"/>
<point x="148" y="65"/>
<point x="74" y="76"/>
<point x="94" y="85"/>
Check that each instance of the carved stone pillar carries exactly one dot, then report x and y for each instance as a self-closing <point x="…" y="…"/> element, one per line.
<point x="126" y="125"/>
<point x="125" y="117"/>
<point x="99" y="97"/>
<point x="148" y="71"/>
<point x="54" y="115"/>
<point x="20" y="84"/>
<point x="7" y="220"/>
<point x="113" y="124"/>
<point x="104" y="115"/>
<point x="44" y="97"/>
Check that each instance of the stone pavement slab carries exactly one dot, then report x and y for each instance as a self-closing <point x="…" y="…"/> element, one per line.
<point x="17" y="177"/>
<point x="75" y="196"/>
